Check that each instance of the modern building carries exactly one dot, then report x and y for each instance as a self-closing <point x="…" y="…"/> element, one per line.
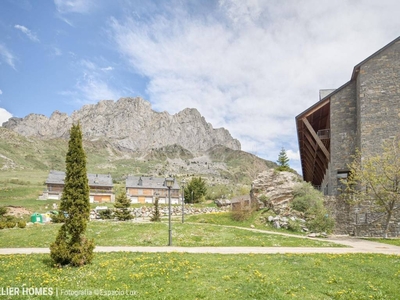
<point x="141" y="189"/>
<point x="361" y="114"/>
<point x="101" y="187"/>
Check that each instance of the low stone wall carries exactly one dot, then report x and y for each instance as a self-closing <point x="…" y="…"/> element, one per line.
<point x="146" y="212"/>
<point x="360" y="220"/>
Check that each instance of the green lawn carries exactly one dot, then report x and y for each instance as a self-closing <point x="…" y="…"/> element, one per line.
<point x="110" y="233"/>
<point x="392" y="241"/>
<point x="224" y="218"/>
<point x="209" y="276"/>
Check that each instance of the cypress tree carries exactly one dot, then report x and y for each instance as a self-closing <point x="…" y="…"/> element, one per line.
<point x="71" y="247"/>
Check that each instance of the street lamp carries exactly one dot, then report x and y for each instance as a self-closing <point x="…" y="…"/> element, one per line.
<point x="169" y="183"/>
<point x="183" y="182"/>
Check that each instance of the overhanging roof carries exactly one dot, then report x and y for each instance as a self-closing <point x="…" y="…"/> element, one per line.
<point x="313" y="131"/>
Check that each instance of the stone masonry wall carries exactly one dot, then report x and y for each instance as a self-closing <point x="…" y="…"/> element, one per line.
<point x="343" y="118"/>
<point x="378" y="85"/>
<point x="360" y="220"/>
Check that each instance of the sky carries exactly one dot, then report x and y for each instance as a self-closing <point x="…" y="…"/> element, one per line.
<point x="249" y="66"/>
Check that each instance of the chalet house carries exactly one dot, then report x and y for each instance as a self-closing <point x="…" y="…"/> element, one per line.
<point x="361" y="114"/>
<point x="142" y="189"/>
<point x="101" y="187"/>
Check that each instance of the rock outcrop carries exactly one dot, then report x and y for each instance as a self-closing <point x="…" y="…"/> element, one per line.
<point x="129" y="124"/>
<point x="277" y="188"/>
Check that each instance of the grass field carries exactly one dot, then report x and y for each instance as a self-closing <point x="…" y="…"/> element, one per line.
<point x="110" y="233"/>
<point x="392" y="241"/>
<point x="224" y="218"/>
<point x="208" y="276"/>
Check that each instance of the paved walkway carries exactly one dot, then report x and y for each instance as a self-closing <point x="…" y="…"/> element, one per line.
<point x="354" y="246"/>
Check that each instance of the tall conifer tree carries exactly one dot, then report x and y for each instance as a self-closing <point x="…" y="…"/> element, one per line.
<point x="283" y="161"/>
<point x="71" y="247"/>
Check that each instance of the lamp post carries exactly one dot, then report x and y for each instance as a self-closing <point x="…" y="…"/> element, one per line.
<point x="183" y="182"/>
<point x="169" y="183"/>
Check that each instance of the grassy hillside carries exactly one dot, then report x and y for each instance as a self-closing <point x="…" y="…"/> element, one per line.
<point x="242" y="166"/>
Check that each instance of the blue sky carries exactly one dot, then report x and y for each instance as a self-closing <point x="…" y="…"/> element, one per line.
<point x="249" y="66"/>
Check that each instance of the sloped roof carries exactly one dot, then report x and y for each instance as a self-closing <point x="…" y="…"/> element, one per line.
<point x="58" y="177"/>
<point x="148" y="182"/>
<point x="356" y="69"/>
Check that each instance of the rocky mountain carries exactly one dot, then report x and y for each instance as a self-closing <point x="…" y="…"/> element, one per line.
<point x="128" y="137"/>
<point x="129" y="124"/>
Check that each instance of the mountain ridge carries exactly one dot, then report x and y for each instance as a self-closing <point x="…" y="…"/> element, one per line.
<point x="127" y="137"/>
<point x="130" y="124"/>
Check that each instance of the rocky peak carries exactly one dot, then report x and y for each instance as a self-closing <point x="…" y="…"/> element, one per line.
<point x="131" y="124"/>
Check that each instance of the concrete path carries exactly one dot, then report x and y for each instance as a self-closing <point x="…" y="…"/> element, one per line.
<point x="354" y="246"/>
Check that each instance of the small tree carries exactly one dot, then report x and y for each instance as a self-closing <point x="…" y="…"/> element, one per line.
<point x="195" y="190"/>
<point x="283" y="161"/>
<point x="156" y="217"/>
<point x="376" y="178"/>
<point x="71" y="247"/>
<point x="122" y="205"/>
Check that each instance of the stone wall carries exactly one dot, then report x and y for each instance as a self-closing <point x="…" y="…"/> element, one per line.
<point x="343" y="132"/>
<point x="364" y="113"/>
<point x="360" y="220"/>
<point x="378" y="103"/>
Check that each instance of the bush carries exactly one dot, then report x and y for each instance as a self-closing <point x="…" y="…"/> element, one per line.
<point x="306" y="197"/>
<point x="311" y="202"/>
<point x="3" y="225"/>
<point x="106" y="214"/>
<point x="10" y="224"/>
<point x="241" y="215"/>
<point x="3" y="211"/>
<point x="321" y="223"/>
<point x="294" y="226"/>
<point x="266" y="201"/>
<point x="21" y="224"/>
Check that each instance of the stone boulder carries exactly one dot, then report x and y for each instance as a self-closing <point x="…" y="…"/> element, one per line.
<point x="276" y="186"/>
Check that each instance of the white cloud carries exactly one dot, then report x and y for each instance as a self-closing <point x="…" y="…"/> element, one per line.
<point x="56" y="51"/>
<point x="252" y="66"/>
<point x="4" y="115"/>
<point x="73" y="6"/>
<point x="107" y="69"/>
<point x="7" y="56"/>
<point x="32" y="36"/>
<point x="92" y="85"/>
<point x="93" y="89"/>
<point x="293" y="155"/>
<point x="1" y="92"/>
